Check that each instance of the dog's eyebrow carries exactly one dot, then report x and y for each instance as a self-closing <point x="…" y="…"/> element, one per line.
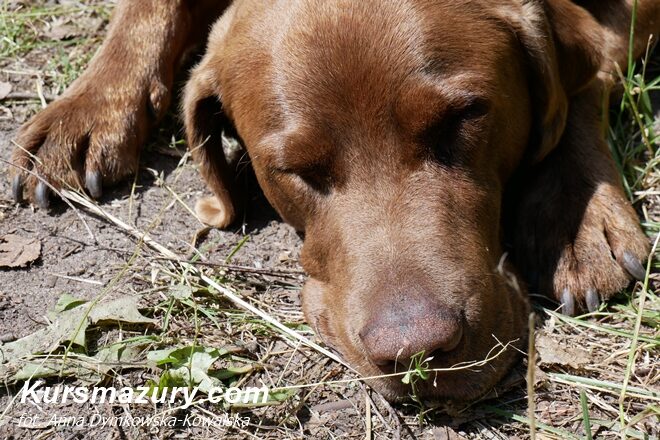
<point x="455" y="84"/>
<point x="427" y="98"/>
<point x="294" y="150"/>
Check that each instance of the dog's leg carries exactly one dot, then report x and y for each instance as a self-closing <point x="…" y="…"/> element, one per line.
<point x="91" y="135"/>
<point x="577" y="237"/>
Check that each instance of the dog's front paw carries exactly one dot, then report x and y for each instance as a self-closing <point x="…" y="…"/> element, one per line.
<point x="582" y="248"/>
<point x="88" y="138"/>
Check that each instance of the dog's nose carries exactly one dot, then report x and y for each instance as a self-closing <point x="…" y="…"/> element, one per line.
<point x="397" y="332"/>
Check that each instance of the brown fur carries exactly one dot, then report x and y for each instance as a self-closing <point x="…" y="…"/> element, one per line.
<point x="400" y="137"/>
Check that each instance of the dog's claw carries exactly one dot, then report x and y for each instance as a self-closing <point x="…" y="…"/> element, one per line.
<point x="592" y="299"/>
<point x="567" y="303"/>
<point x="633" y="266"/>
<point x="94" y="184"/>
<point x="42" y="195"/>
<point x="17" y="189"/>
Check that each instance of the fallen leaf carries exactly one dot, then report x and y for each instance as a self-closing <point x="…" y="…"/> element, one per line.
<point x="61" y="30"/>
<point x="89" y="370"/>
<point x="5" y="89"/>
<point x="189" y="365"/>
<point x="551" y="352"/>
<point x="16" y="251"/>
<point x="50" y="368"/>
<point x="67" y="302"/>
<point x="68" y="326"/>
<point x="194" y="365"/>
<point x="124" y="309"/>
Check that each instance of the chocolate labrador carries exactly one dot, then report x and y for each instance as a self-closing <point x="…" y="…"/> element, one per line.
<point x="407" y="139"/>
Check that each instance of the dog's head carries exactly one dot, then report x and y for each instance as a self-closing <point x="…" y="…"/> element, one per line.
<point x="386" y="132"/>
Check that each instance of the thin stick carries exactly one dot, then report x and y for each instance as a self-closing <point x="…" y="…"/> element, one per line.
<point x="531" y="364"/>
<point x="367" y="404"/>
<point x="22" y="96"/>
<point x="290" y="273"/>
<point x="40" y="93"/>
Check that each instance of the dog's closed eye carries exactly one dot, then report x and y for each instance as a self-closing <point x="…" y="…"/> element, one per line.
<point x="317" y="177"/>
<point x="450" y="136"/>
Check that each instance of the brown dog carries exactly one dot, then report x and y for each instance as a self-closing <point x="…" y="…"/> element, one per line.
<point x="393" y="133"/>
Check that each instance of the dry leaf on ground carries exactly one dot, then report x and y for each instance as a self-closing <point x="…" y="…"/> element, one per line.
<point x="17" y="251"/>
<point x="551" y="352"/>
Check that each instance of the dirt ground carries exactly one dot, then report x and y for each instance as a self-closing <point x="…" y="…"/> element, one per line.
<point x="88" y="256"/>
<point x="69" y="251"/>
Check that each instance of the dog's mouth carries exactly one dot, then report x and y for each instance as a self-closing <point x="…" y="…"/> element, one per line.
<point x="441" y="375"/>
<point x="467" y="366"/>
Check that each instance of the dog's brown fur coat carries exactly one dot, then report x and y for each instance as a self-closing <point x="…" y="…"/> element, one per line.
<point x="391" y="133"/>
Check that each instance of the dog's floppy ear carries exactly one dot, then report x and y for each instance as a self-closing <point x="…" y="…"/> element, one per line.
<point x="205" y="121"/>
<point x="562" y="42"/>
